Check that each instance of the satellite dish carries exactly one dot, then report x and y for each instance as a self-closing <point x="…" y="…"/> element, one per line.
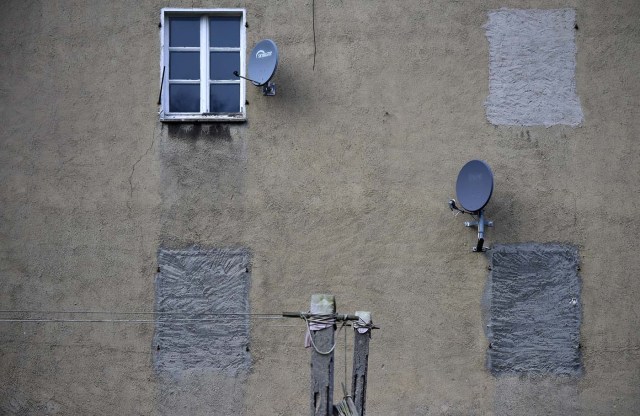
<point x="474" y="185"/>
<point x="473" y="189"/>
<point x="263" y="63"/>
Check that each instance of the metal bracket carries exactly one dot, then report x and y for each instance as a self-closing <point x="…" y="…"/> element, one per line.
<point x="269" y="89"/>
<point x="480" y="224"/>
<point x="475" y="223"/>
<point x="480" y="248"/>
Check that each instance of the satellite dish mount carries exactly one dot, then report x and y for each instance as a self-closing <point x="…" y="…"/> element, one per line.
<point x="262" y="66"/>
<point x="473" y="189"/>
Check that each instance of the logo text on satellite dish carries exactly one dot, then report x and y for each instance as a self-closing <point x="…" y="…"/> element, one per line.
<point x="263" y="54"/>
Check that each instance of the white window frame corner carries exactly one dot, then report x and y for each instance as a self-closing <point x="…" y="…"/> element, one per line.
<point x="163" y="111"/>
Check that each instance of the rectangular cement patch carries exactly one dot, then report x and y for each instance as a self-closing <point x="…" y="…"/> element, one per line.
<point x="532" y="65"/>
<point x="197" y="293"/>
<point x="534" y="309"/>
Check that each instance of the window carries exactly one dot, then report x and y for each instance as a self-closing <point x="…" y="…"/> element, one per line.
<point x="200" y="51"/>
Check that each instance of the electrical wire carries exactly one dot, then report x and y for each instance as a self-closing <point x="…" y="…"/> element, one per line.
<point x="161" y="317"/>
<point x="168" y="321"/>
<point x="240" y="314"/>
<point x="138" y="321"/>
<point x="322" y="319"/>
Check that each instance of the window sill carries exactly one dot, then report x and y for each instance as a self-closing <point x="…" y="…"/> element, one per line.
<point x="195" y="118"/>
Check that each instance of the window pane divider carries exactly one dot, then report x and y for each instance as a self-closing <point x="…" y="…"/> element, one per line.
<point x="184" y="81"/>
<point x="204" y="64"/>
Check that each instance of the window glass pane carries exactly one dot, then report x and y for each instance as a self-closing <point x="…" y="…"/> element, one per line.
<point x="184" y="98"/>
<point x="224" y="31"/>
<point x="184" y="65"/>
<point x="224" y="98"/>
<point x="223" y="64"/>
<point x="184" y="31"/>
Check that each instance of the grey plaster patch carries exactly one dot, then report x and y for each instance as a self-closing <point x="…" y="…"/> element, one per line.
<point x="534" y="309"/>
<point x="200" y="284"/>
<point x="532" y="65"/>
<point x="195" y="393"/>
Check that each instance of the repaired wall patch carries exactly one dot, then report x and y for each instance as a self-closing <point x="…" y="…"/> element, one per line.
<point x="533" y="296"/>
<point x="532" y="65"/>
<point x="197" y="293"/>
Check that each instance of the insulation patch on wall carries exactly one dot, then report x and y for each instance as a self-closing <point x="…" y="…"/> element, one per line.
<point x="533" y="296"/>
<point x="196" y="291"/>
<point x="532" y="65"/>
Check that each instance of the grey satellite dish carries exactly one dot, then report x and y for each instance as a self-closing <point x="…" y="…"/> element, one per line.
<point x="262" y="65"/>
<point x="473" y="189"/>
<point x="474" y="185"/>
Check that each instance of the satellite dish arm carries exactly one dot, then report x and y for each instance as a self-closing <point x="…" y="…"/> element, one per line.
<point x="267" y="89"/>
<point x="454" y="207"/>
<point x="248" y="79"/>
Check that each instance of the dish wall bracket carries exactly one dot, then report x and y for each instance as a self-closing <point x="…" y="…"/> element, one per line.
<point x="480" y="225"/>
<point x="269" y="89"/>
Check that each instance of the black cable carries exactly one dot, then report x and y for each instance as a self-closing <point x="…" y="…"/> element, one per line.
<point x="161" y="85"/>
<point x="313" y="24"/>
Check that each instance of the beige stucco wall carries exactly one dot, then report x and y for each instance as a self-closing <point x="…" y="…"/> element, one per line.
<point x="338" y="184"/>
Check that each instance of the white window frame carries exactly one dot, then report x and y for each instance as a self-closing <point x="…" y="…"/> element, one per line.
<point x="204" y="15"/>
